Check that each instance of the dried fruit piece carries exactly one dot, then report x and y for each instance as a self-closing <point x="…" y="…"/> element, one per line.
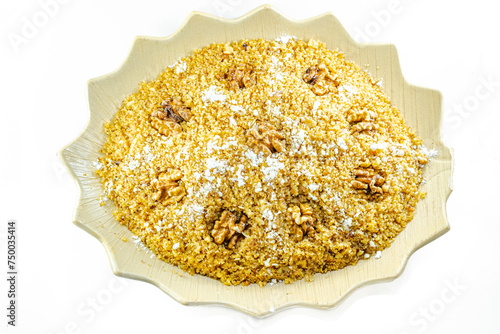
<point x="265" y="138"/>
<point x="229" y="228"/>
<point x="321" y="80"/>
<point x="168" y="190"/>
<point x="302" y="216"/>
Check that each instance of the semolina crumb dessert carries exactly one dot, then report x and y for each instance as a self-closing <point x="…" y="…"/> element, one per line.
<point x="262" y="161"/>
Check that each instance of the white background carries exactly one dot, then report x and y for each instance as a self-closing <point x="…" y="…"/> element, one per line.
<point x="66" y="284"/>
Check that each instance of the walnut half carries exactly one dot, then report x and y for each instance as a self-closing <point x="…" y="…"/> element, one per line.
<point x="321" y="80"/>
<point x="241" y="76"/>
<point x="265" y="138"/>
<point x="229" y="228"/>
<point x="167" y="118"/>
<point x="368" y="180"/>
<point x="167" y="187"/>
<point x="362" y="120"/>
<point x="302" y="217"/>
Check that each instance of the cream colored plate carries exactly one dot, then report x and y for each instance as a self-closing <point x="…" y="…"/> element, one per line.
<point x="149" y="56"/>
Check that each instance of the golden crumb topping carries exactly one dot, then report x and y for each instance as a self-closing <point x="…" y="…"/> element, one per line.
<point x="259" y="161"/>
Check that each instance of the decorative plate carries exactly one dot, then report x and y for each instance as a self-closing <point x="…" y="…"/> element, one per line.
<point x="421" y="108"/>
